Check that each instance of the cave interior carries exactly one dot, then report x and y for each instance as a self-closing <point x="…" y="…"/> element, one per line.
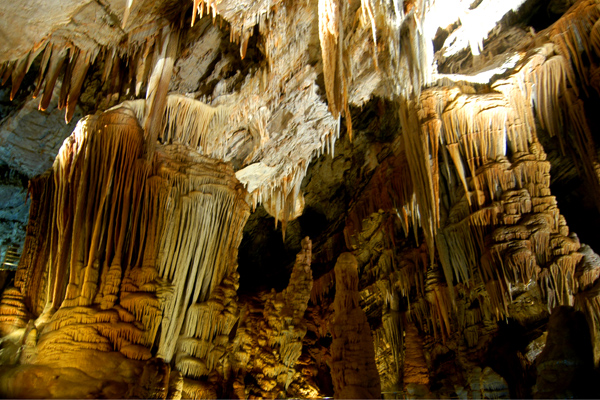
<point x="300" y="199"/>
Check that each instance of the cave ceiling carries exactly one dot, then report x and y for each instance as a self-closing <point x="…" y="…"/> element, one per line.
<point x="279" y="198"/>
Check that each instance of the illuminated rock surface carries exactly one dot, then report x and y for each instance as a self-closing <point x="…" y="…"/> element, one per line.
<point x="269" y="199"/>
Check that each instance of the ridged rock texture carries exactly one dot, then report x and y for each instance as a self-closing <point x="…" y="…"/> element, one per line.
<point x="97" y="266"/>
<point x="353" y="368"/>
<point x="271" y="199"/>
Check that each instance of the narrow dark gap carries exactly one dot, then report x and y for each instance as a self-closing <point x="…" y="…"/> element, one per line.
<point x="263" y="256"/>
<point x="572" y="191"/>
<point x="512" y="339"/>
<point x="542" y="14"/>
<point x="577" y="205"/>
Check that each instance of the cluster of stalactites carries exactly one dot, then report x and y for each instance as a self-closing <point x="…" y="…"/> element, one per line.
<point x="484" y="147"/>
<point x="498" y="229"/>
<point x="479" y="133"/>
<point x="242" y="17"/>
<point x="281" y="195"/>
<point x="127" y="68"/>
<point x="407" y="70"/>
<point x="208" y="325"/>
<point x="286" y="202"/>
<point x="470" y="131"/>
<point x="189" y="122"/>
<point x="466" y="129"/>
<point x="192" y="190"/>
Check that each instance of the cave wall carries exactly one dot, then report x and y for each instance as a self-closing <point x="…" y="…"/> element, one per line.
<point x="418" y="147"/>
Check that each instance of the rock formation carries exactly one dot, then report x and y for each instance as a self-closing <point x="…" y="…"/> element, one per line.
<point x="352" y="356"/>
<point x="269" y="199"/>
<point x="94" y="269"/>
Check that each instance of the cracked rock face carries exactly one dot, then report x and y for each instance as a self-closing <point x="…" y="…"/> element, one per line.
<point x="407" y="187"/>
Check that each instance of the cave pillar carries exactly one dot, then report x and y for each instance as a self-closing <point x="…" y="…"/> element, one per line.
<point x="120" y="248"/>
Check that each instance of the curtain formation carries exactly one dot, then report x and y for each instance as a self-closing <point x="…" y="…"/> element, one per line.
<point x="122" y="252"/>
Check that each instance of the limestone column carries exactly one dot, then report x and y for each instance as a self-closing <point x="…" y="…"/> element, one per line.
<point x="353" y="369"/>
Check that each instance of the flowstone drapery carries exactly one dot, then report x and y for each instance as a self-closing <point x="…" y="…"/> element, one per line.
<point x="110" y="259"/>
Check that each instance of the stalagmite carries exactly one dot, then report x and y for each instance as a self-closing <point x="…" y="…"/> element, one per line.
<point x="352" y="356"/>
<point x="416" y="377"/>
<point x="270" y="337"/>
<point x="207" y="328"/>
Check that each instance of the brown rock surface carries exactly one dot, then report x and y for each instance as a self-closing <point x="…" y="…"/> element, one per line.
<point x="353" y="367"/>
<point x="425" y="147"/>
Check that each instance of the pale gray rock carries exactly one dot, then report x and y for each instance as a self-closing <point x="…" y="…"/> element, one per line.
<point x="196" y="59"/>
<point x="14" y="211"/>
<point x="30" y="139"/>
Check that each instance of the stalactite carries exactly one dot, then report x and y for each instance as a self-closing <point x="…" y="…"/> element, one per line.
<point x="329" y="36"/>
<point x="18" y="74"/>
<point x="367" y="9"/>
<point x="57" y="59"/>
<point x="80" y="69"/>
<point x="158" y="85"/>
<point x="418" y="144"/>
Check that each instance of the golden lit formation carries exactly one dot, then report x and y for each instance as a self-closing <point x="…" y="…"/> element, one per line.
<point x="415" y="152"/>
